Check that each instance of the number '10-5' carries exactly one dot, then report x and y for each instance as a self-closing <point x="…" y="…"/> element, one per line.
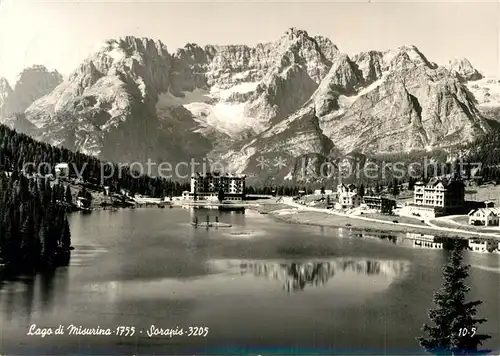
<point x="466" y="332"/>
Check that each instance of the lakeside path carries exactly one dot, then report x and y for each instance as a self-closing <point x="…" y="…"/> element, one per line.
<point x="390" y="225"/>
<point x="307" y="215"/>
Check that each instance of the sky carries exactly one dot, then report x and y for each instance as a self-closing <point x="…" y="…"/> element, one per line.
<point x="61" y="34"/>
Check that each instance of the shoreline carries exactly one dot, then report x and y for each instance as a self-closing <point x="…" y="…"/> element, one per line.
<point x="318" y="219"/>
<point x="296" y="214"/>
<point x="290" y="212"/>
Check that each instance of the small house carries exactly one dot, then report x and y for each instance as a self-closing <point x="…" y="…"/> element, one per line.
<point x="482" y="245"/>
<point x="484" y="217"/>
<point x="62" y="170"/>
<point x="489" y="204"/>
<point x="348" y="196"/>
<point x="384" y="205"/>
<point x="81" y="202"/>
<point x="350" y="200"/>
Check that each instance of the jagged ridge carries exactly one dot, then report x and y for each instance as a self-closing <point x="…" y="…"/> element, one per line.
<point x="299" y="95"/>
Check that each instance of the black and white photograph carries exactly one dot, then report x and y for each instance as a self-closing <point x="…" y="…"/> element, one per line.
<point x="243" y="177"/>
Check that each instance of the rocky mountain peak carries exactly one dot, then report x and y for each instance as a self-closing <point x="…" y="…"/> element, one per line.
<point x="295" y="38"/>
<point x="463" y="68"/>
<point x="138" y="44"/>
<point x="126" y="49"/>
<point x="192" y="52"/>
<point x="342" y="79"/>
<point x="140" y="63"/>
<point x="4" y="86"/>
<point x="374" y="64"/>
<point x="370" y="64"/>
<point x="294" y="33"/>
<point x="327" y="47"/>
<point x="297" y="47"/>
<point x="37" y="74"/>
<point x="32" y="83"/>
<point x="404" y="57"/>
<point x="36" y="68"/>
<point x="5" y="93"/>
<point x="292" y="97"/>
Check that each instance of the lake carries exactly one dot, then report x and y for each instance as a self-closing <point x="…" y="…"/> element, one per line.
<point x="258" y="287"/>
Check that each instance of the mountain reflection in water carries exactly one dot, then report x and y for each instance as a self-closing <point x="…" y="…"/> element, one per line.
<point x="296" y="276"/>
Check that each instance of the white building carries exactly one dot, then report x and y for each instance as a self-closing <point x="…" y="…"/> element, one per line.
<point x="326" y="192"/>
<point x="440" y="193"/>
<point x="81" y="202"/>
<point x="484" y="217"/>
<point x="482" y="245"/>
<point x="62" y="170"/>
<point x="348" y="196"/>
<point x="427" y="244"/>
<point x="208" y="186"/>
<point x="437" y="197"/>
<point x="424" y="241"/>
<point x="125" y="192"/>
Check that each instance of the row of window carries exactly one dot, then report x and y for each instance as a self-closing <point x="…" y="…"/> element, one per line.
<point x="428" y="244"/>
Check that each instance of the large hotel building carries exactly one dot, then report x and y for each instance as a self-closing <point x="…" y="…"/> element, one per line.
<point x="438" y="197"/>
<point x="208" y="185"/>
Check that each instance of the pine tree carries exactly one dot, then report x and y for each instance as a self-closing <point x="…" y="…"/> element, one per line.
<point x="468" y="170"/>
<point x="395" y="188"/>
<point x="361" y="190"/>
<point x="67" y="196"/>
<point x="220" y="196"/>
<point x="455" y="329"/>
<point x="17" y="149"/>
<point x="411" y="183"/>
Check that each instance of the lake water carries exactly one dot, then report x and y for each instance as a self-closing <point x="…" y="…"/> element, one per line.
<point x="259" y="287"/>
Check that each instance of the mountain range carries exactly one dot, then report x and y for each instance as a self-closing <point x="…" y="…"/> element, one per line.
<point x="296" y="97"/>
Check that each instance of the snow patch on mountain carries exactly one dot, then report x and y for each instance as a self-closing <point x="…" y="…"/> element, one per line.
<point x="226" y="116"/>
<point x="166" y="100"/>
<point x="296" y="96"/>
<point x="486" y="91"/>
<point x="240" y="88"/>
<point x="372" y="86"/>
